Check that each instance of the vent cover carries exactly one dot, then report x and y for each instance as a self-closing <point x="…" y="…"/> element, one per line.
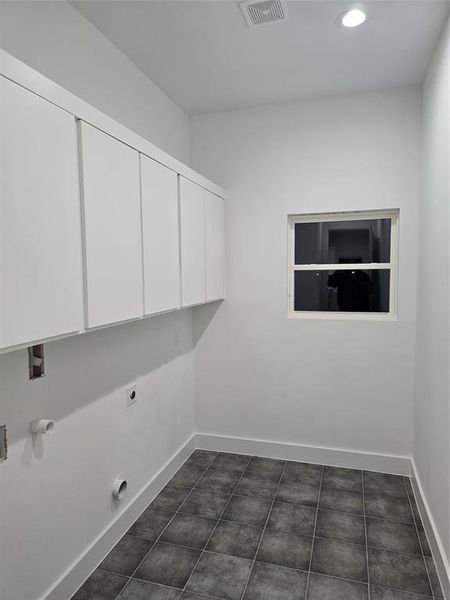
<point x="263" y="13"/>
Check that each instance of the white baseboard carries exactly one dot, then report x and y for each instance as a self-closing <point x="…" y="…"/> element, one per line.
<point x="337" y="457"/>
<point x="83" y="566"/>
<point x="436" y="545"/>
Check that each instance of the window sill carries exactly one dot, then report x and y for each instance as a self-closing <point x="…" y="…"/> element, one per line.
<point x="342" y="316"/>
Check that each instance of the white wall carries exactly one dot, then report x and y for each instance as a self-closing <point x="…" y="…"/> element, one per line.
<point x="342" y="384"/>
<point x="432" y="413"/>
<point x="55" y="495"/>
<point x="54" y="39"/>
<point x="56" y="490"/>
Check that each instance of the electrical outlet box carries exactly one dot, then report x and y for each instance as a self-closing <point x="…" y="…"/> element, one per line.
<point x="36" y="365"/>
<point x="3" y="443"/>
<point x="131" y="394"/>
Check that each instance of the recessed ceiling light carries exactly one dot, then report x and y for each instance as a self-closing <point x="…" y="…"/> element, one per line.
<point x="352" y="18"/>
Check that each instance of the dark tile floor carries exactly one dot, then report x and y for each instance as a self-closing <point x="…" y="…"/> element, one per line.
<point x="233" y="527"/>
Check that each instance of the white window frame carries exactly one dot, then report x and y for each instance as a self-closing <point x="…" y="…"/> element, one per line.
<point x="392" y="266"/>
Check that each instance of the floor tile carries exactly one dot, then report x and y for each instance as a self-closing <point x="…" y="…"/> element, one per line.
<point x="151" y="523"/>
<point x="230" y="462"/>
<point x="204" y="503"/>
<point x="390" y="535"/>
<point x="170" y="498"/>
<point x="341" y="526"/>
<point x="201" y="458"/>
<point x="237" y="539"/>
<point x="295" y="492"/>
<point x="265" y="467"/>
<point x="188" y="475"/>
<point x="343" y="479"/>
<point x="386" y="507"/>
<point x="126" y="555"/>
<point x="169" y="565"/>
<point x="220" y="576"/>
<point x="378" y="593"/>
<point x="285" y="549"/>
<point x="270" y="582"/>
<point x="218" y="480"/>
<point x="101" y="585"/>
<point x="398" y="571"/>
<point x="435" y="584"/>
<point x="341" y="500"/>
<point x="383" y="483"/>
<point x="304" y="472"/>
<point x="189" y="530"/>
<point x="255" y="486"/>
<point x="145" y="590"/>
<point x="340" y="559"/>
<point x="408" y="485"/>
<point x="322" y="587"/>
<point x="244" y="509"/>
<point x="423" y="540"/>
<point x="412" y="499"/>
<point x="193" y="596"/>
<point x="292" y="518"/>
<point x="415" y="511"/>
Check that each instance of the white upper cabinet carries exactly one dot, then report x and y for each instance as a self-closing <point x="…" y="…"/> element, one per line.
<point x="159" y="193"/>
<point x="97" y="225"/>
<point x="214" y="247"/>
<point x="40" y="237"/>
<point x="192" y="243"/>
<point x="112" y="228"/>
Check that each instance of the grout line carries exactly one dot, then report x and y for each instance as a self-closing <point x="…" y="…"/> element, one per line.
<point x="413" y="496"/>
<point x="420" y="542"/>
<point x="264" y="530"/>
<point x="365" y="534"/>
<point x="217" y="523"/>
<point x="171" y="587"/>
<point x="316" y="573"/>
<point x="317" y="537"/>
<point x="314" y="535"/>
<point x="303" y="535"/>
<point x="168" y="523"/>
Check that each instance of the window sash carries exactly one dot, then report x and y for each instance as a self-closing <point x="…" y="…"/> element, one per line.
<point x="392" y="266"/>
<point x="342" y="267"/>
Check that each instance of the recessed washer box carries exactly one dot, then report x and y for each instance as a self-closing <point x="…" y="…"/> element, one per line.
<point x="131" y="394"/>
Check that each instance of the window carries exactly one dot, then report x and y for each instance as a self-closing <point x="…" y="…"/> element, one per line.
<point x="343" y="265"/>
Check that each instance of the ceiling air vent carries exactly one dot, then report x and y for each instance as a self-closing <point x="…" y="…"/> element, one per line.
<point x="263" y="13"/>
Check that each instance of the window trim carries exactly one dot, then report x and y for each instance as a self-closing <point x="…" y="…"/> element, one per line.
<point x="392" y="214"/>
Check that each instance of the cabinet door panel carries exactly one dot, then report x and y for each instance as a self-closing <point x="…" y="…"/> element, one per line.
<point x="112" y="227"/>
<point x="40" y="236"/>
<point x="159" y="192"/>
<point x="214" y="247"/>
<point x="192" y="239"/>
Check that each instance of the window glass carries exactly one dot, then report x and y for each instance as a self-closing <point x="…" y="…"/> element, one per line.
<point x="342" y="290"/>
<point x="336" y="242"/>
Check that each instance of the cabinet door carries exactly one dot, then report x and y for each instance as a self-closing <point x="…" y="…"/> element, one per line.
<point x="214" y="247"/>
<point x="192" y="240"/>
<point x="159" y="193"/>
<point x="112" y="227"/>
<point x="40" y="236"/>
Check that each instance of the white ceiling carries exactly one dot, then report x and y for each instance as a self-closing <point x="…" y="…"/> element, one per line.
<point x="203" y="55"/>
